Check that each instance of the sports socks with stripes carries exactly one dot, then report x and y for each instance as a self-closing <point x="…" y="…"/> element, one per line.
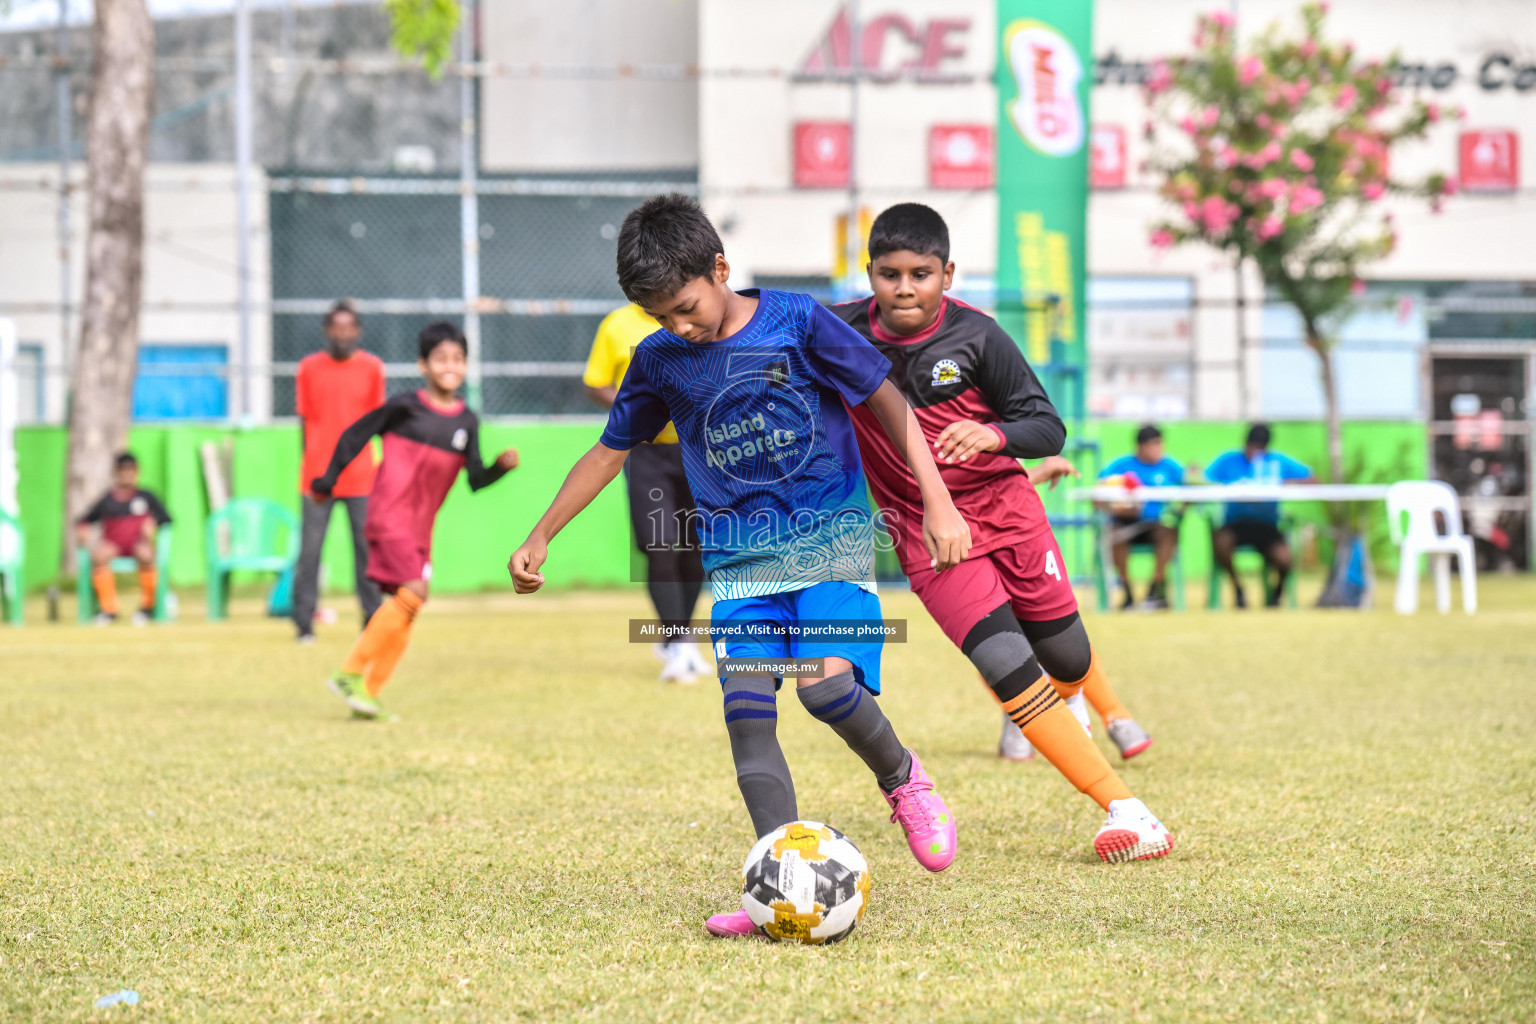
<point x="855" y="715"/>
<point x="1064" y="651"/>
<point x="1002" y="654"/>
<point x="762" y="774"/>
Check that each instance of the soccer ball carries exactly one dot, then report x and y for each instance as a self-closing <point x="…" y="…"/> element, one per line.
<point x="805" y="882"/>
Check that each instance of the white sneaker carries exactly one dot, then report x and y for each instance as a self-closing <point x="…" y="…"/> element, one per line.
<point x="1131" y="833"/>
<point x="697" y="663"/>
<point x="141" y="618"/>
<point x="1013" y="746"/>
<point x="662" y="652"/>
<point x="679" y="667"/>
<point x="1079" y="707"/>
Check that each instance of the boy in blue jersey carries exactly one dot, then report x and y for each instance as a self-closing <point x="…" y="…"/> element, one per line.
<point x="755" y="383"/>
<point x="1143" y="523"/>
<point x="1255" y="524"/>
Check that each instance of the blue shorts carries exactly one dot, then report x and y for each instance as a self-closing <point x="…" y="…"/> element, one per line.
<point x="844" y="602"/>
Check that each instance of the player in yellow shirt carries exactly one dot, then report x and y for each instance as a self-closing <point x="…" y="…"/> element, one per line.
<point x="661" y="508"/>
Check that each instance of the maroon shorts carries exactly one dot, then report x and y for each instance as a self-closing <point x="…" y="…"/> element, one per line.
<point x="394" y="559"/>
<point x="1030" y="575"/>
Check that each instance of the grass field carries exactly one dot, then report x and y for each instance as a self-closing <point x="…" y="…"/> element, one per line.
<point x="185" y="812"/>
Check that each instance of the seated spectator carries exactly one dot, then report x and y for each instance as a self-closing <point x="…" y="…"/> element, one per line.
<point x="1255" y="523"/>
<point x="128" y="517"/>
<point x="1133" y="523"/>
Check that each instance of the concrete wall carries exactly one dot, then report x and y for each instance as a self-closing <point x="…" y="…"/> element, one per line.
<point x="556" y="123"/>
<point x="190" y="285"/>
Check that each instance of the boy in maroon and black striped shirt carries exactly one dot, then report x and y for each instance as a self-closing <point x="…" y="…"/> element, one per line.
<point x="128" y="518"/>
<point x="429" y="435"/>
<point x="1009" y="606"/>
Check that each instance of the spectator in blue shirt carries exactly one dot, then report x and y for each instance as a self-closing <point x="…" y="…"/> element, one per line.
<point x="1133" y="523"/>
<point x="1255" y="524"/>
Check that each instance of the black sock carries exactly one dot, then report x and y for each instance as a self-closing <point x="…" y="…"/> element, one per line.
<point x="751" y="719"/>
<point x="855" y="715"/>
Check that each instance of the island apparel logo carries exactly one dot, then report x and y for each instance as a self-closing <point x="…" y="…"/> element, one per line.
<point x="1046" y="70"/>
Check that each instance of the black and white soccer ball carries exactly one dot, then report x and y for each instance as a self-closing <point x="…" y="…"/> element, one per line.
<point x="805" y="882"/>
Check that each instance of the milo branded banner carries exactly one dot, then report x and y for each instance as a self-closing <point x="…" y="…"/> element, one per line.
<point x="1044" y="75"/>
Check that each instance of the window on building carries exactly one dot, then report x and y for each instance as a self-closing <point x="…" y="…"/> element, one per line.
<point x="1141" y="348"/>
<point x="31" y="404"/>
<point x="182" y="382"/>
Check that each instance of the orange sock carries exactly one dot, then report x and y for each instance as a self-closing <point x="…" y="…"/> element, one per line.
<point x="1054" y="731"/>
<point x="105" y="585"/>
<point x="1100" y="694"/>
<point x="149" y="579"/>
<point x="378" y="650"/>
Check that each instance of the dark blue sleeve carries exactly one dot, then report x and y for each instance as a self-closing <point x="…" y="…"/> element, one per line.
<point x="841" y="359"/>
<point x="639" y="412"/>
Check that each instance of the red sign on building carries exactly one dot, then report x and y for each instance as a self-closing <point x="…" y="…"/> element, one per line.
<point x="960" y="156"/>
<point x="1490" y="161"/>
<point x="1106" y="156"/>
<point x="822" y="154"/>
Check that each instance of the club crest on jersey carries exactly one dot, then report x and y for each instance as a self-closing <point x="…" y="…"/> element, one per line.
<point x="138" y="506"/>
<point x="946" y="371"/>
<point x="460" y="439"/>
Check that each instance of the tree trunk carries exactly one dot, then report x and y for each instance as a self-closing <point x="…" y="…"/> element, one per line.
<point x="1330" y="407"/>
<point x="117" y="143"/>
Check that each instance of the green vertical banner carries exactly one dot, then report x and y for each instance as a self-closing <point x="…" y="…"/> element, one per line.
<point x="1045" y="72"/>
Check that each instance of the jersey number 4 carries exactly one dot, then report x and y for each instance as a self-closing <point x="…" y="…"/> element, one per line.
<point x="1051" y="568"/>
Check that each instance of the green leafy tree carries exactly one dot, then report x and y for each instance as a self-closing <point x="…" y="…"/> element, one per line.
<point x="1278" y="152"/>
<point x="424" y="30"/>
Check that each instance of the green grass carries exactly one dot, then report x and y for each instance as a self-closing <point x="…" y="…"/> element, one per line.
<point x="185" y="812"/>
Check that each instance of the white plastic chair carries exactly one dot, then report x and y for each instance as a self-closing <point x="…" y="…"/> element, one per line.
<point x="1420" y="500"/>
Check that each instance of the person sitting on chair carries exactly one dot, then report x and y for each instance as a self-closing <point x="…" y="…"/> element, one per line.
<point x="1255" y="524"/>
<point x="1133" y="523"/>
<point x="129" y="517"/>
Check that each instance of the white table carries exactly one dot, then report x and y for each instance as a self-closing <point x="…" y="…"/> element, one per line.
<point x="1243" y="492"/>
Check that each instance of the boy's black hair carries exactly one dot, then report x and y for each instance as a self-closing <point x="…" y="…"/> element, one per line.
<point x="342" y="306"/>
<point x="665" y="242"/>
<point x="123" y="460"/>
<point x="434" y="335"/>
<point x="910" y="226"/>
<point x="1148" y="432"/>
<point x="1258" y="436"/>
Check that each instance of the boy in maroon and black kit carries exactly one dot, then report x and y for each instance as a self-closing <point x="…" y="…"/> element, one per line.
<point x="129" y="518"/>
<point x="429" y="435"/>
<point x="1008" y="606"/>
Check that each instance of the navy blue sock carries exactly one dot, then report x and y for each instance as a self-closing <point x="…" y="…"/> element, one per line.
<point x="752" y="719"/>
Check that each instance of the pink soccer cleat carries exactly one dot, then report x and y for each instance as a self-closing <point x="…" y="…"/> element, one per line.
<point x="735" y="925"/>
<point x="923" y="814"/>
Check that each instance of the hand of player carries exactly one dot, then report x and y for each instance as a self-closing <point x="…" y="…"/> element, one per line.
<point x="525" y="563"/>
<point x="1050" y="470"/>
<point x="963" y="439"/>
<point x="947" y="536"/>
<point x="318" y="493"/>
<point x="507" y="460"/>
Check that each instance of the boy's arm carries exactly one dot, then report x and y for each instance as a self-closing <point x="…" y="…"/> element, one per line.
<point x="92" y="515"/>
<point x="1050" y="470"/>
<point x="586" y="480"/>
<point x="476" y="470"/>
<point x="350" y="445"/>
<point x="944" y="530"/>
<point x="1028" y="425"/>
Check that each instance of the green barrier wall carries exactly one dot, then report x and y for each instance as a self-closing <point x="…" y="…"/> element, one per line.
<point x="477" y="532"/>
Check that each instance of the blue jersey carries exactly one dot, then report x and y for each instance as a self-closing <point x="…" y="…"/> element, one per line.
<point x="766" y="441"/>
<point x="1264" y="468"/>
<point x="1164" y="473"/>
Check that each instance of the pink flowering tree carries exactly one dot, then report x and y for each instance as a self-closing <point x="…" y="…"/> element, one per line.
<point x="1278" y="153"/>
